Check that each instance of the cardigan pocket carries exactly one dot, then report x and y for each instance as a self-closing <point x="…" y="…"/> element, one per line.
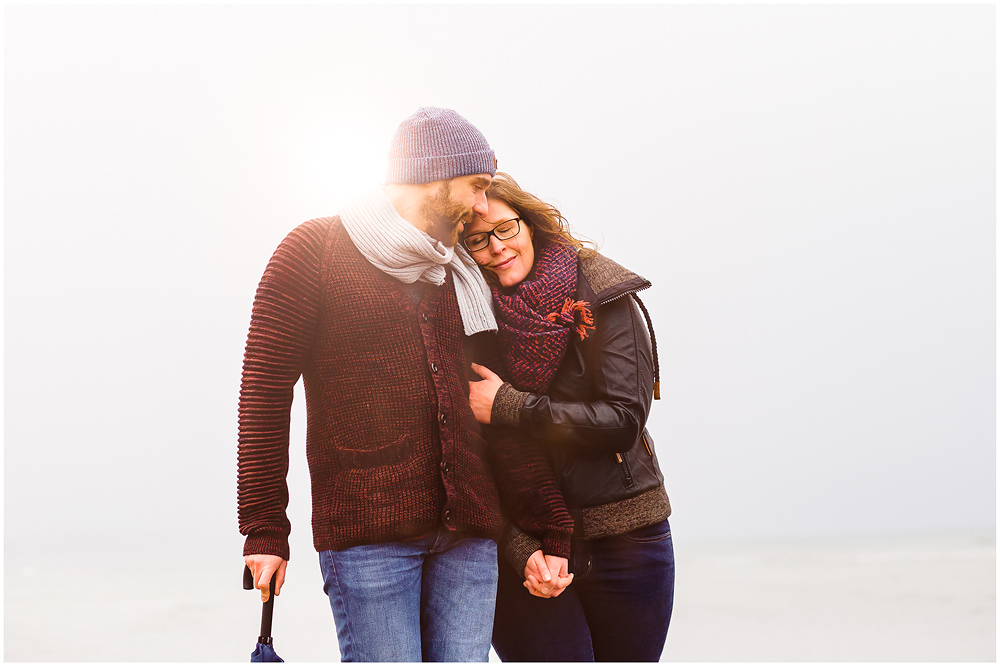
<point x="393" y="485"/>
<point x="390" y="454"/>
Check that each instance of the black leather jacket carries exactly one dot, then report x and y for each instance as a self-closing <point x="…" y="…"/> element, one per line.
<point x="592" y="420"/>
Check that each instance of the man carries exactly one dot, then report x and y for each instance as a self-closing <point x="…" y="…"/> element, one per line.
<point x="372" y="308"/>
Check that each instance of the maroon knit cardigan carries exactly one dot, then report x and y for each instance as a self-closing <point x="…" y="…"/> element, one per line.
<point x="393" y="447"/>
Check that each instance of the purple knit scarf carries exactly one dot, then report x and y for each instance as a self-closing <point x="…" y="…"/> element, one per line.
<point x="534" y="322"/>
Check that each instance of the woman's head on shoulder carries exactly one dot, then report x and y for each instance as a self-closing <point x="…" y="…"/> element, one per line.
<point x="517" y="225"/>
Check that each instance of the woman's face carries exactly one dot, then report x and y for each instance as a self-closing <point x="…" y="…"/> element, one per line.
<point x="511" y="260"/>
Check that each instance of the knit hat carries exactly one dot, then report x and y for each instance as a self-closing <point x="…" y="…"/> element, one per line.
<point x="437" y="144"/>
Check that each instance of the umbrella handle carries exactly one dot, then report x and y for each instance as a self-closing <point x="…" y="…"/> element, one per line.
<point x="268" y="610"/>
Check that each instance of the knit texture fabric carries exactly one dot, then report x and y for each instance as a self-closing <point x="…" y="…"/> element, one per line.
<point x="381" y="418"/>
<point x="399" y="249"/>
<point x="393" y="447"/>
<point x="623" y="516"/>
<point x="437" y="144"/>
<point x="536" y="318"/>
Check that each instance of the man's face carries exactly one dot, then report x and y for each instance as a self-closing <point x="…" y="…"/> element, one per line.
<point x="451" y="204"/>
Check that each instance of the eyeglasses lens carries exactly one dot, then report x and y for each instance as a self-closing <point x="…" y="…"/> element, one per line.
<point x="504" y="231"/>
<point x="477" y="242"/>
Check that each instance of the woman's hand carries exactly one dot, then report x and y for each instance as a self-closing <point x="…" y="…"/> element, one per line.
<point x="546" y="575"/>
<point x="481" y="393"/>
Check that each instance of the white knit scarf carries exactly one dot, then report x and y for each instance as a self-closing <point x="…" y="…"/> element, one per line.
<point x="406" y="253"/>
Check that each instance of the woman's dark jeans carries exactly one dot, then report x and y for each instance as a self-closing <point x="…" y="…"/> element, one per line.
<point x="617" y="608"/>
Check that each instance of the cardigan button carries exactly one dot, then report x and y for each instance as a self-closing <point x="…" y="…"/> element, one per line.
<point x="434" y="367"/>
<point x="443" y="418"/>
<point x="447" y="516"/>
<point x="423" y="317"/>
<point x="445" y="467"/>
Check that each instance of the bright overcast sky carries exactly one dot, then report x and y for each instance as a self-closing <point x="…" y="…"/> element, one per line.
<point x="810" y="188"/>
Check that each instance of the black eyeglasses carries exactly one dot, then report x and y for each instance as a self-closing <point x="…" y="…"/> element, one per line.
<point x="503" y="231"/>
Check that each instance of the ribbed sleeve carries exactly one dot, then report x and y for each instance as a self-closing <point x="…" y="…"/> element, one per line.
<point x="529" y="493"/>
<point x="527" y="486"/>
<point x="282" y="327"/>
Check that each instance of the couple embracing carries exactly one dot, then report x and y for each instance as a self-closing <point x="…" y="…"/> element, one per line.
<point x="477" y="386"/>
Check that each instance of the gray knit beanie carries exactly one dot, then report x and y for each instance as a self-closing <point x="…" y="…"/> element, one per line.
<point x="437" y="144"/>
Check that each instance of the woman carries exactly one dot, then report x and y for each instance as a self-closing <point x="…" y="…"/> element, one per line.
<point x="580" y="366"/>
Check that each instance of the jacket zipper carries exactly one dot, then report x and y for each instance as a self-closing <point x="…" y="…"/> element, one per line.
<point x="624" y="293"/>
<point x="625" y="470"/>
<point x="647" y="444"/>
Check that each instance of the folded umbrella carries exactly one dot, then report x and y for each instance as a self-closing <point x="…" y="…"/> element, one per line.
<point x="264" y="651"/>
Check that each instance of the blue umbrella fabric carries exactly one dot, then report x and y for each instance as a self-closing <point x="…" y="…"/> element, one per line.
<point x="264" y="650"/>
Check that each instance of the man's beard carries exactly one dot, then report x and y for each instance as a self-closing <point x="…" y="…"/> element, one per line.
<point x="444" y="215"/>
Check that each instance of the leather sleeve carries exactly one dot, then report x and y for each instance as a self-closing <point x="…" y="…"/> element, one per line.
<point x="617" y="380"/>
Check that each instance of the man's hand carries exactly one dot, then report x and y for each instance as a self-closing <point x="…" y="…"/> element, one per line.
<point x="263" y="567"/>
<point x="481" y="393"/>
<point x="546" y="575"/>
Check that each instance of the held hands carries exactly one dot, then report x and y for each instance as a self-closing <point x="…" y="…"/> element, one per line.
<point x="546" y="575"/>
<point x="263" y="567"/>
<point x="481" y="393"/>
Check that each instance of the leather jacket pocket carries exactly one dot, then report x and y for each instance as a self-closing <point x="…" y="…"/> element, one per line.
<point x="626" y="470"/>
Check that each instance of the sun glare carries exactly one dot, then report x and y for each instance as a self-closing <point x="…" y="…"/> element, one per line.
<point x="348" y="160"/>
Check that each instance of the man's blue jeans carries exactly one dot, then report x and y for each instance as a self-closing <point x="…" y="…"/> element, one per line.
<point x="429" y="598"/>
<point x="617" y="608"/>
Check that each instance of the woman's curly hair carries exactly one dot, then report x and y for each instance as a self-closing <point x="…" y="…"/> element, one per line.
<point x="547" y="223"/>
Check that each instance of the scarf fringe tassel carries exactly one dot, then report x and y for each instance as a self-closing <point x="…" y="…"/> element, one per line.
<point x="575" y="314"/>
